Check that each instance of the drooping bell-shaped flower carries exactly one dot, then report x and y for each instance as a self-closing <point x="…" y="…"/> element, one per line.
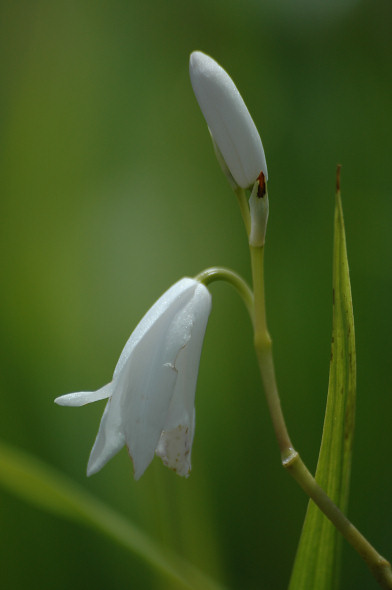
<point x="151" y="396"/>
<point x="237" y="142"/>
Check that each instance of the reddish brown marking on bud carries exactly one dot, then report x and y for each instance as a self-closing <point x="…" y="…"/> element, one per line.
<point x="261" y="187"/>
<point x="338" y="177"/>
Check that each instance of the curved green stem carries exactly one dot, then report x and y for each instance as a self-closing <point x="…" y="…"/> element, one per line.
<point x="263" y="346"/>
<point x="219" y="273"/>
<point x="291" y="460"/>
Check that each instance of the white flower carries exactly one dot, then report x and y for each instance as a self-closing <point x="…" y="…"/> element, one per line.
<point x="151" y="396"/>
<point x="231" y="126"/>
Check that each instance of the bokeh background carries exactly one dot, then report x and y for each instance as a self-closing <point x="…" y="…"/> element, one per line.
<point x="110" y="192"/>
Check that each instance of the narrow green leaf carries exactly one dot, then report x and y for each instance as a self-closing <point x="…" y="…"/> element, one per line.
<point x="317" y="562"/>
<point x="30" y="479"/>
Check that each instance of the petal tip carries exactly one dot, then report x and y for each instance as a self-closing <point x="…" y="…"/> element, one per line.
<point x="93" y="466"/>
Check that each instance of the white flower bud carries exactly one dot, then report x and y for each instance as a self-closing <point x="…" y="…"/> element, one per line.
<point x="228" y="119"/>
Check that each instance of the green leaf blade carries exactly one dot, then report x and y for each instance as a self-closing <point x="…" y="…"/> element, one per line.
<point x="317" y="563"/>
<point x="42" y="486"/>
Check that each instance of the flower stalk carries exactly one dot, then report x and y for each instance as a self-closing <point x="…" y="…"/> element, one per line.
<point x="291" y="459"/>
<point x="263" y="347"/>
<point x="244" y="208"/>
<point x="219" y="273"/>
<point x="240" y="153"/>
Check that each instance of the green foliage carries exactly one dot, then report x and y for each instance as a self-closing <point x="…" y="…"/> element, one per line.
<point x="37" y="483"/>
<point x="318" y="556"/>
<point x="110" y="192"/>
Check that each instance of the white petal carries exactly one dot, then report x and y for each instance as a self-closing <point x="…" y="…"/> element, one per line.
<point x="175" y="443"/>
<point x="80" y="398"/>
<point x="177" y="293"/>
<point x="228" y="118"/>
<point x="110" y="440"/>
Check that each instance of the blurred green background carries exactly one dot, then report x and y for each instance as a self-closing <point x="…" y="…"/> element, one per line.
<point x="110" y="192"/>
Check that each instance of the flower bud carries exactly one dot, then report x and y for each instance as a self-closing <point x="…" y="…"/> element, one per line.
<point x="230" y="124"/>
